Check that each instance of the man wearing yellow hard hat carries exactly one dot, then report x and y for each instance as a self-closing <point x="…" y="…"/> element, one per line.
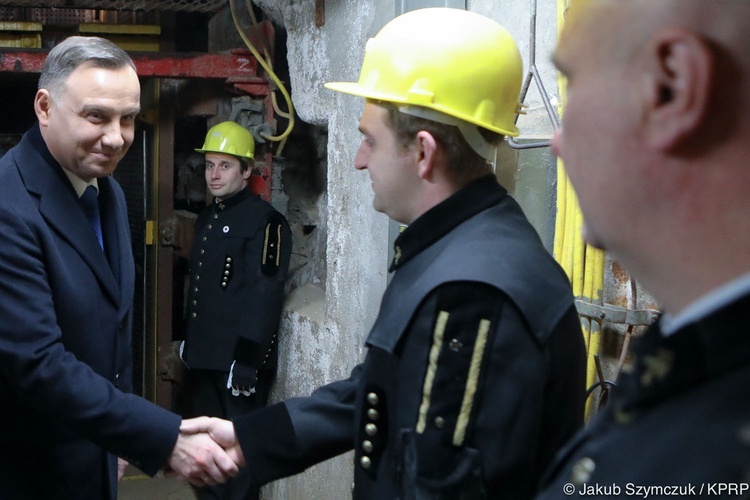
<point x="238" y="268"/>
<point x="474" y="373"/>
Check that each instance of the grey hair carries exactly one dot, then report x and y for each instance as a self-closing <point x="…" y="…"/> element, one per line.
<point x="66" y="56"/>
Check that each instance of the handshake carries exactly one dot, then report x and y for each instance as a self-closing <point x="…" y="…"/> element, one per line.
<point x="206" y="452"/>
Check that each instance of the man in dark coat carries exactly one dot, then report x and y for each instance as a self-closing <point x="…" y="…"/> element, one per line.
<point x="474" y="373"/>
<point x="656" y="144"/>
<point x="66" y="295"/>
<point x="238" y="268"/>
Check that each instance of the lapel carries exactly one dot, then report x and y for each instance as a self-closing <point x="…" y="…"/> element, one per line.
<point x="60" y="207"/>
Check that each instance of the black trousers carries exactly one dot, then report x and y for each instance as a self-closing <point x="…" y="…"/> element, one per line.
<point x="209" y="396"/>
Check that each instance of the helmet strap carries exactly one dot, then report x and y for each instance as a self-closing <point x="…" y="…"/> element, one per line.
<point x="469" y="131"/>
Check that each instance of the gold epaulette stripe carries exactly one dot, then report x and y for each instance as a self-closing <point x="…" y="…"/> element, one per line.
<point x="429" y="379"/>
<point x="265" y="244"/>
<point x="278" y="249"/>
<point x="471" y="383"/>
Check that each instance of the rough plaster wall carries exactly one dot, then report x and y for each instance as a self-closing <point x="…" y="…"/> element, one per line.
<point x="323" y="328"/>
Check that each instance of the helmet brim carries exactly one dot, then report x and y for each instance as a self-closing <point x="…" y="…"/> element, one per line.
<point x="357" y="89"/>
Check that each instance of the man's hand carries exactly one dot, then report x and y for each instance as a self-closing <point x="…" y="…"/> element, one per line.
<point x="122" y="464"/>
<point x="200" y="460"/>
<point x="221" y="431"/>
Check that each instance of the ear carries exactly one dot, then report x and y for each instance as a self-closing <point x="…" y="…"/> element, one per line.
<point x="42" y="106"/>
<point x="426" y="149"/>
<point x="679" y="88"/>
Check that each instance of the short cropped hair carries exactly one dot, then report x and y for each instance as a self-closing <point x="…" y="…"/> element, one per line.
<point x="464" y="164"/>
<point x="66" y="56"/>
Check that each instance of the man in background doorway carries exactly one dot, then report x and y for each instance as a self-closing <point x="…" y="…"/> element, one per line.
<point x="238" y="268"/>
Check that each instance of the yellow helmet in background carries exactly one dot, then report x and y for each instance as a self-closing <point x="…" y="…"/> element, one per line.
<point x="229" y="138"/>
<point x="452" y="61"/>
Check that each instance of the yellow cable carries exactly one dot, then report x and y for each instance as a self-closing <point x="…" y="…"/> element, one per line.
<point x="271" y="73"/>
<point x="579" y="261"/>
<point x="275" y="104"/>
<point x="560" y="215"/>
<point x="583" y="264"/>
<point x="251" y="12"/>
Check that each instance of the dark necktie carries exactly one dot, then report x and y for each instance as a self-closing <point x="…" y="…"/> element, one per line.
<point x="91" y="206"/>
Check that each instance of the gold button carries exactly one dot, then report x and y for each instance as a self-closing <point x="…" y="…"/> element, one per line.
<point x="367" y="446"/>
<point x="396" y="255"/>
<point x="744" y="433"/>
<point x="373" y="414"/>
<point x="365" y="462"/>
<point x="372" y="398"/>
<point x="656" y="367"/>
<point x="622" y="417"/>
<point x="371" y="429"/>
<point x="582" y="471"/>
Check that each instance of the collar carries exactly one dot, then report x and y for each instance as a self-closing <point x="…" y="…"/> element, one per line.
<point x="664" y="366"/>
<point x="441" y="219"/>
<point x="79" y="185"/>
<point x="721" y="296"/>
<point x="234" y="200"/>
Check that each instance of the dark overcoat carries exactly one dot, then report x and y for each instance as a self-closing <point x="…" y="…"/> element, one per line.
<point x="65" y="338"/>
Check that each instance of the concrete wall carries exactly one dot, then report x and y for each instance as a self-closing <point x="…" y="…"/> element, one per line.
<point x="325" y="323"/>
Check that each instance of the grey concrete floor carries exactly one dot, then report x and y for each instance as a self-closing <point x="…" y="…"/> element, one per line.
<point x="136" y="485"/>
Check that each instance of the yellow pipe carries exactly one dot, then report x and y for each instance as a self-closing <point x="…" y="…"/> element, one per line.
<point x="560" y="215"/>
<point x="271" y="74"/>
<point x="579" y="251"/>
<point x="583" y="264"/>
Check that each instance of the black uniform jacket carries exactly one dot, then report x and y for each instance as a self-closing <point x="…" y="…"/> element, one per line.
<point x="474" y="374"/>
<point x="238" y="267"/>
<point x="65" y="338"/>
<point x="677" y="426"/>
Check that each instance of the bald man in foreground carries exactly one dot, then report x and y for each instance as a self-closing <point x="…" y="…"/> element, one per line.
<point x="657" y="143"/>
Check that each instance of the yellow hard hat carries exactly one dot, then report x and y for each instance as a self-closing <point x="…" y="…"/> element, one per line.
<point x="229" y="138"/>
<point x="452" y="61"/>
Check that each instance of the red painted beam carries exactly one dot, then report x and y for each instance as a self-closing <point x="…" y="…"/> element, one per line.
<point x="238" y="66"/>
<point x="26" y="61"/>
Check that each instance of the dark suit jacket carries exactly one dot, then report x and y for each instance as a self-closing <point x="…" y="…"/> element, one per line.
<point x="65" y="332"/>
